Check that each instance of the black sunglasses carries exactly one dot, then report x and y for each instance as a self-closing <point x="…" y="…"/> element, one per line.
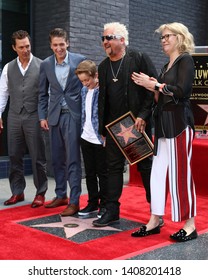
<point x="110" y="37"/>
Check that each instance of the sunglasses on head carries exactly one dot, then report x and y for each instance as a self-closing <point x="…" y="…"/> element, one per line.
<point x="110" y="37"/>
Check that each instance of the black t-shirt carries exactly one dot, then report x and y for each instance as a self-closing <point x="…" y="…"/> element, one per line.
<point x="116" y="103"/>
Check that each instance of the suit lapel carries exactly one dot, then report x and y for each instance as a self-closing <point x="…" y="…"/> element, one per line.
<point x="71" y="69"/>
<point x="126" y="73"/>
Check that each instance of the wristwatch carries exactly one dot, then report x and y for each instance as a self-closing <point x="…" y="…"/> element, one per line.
<point x="157" y="86"/>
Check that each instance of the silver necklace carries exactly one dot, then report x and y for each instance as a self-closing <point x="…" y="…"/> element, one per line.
<point x="115" y="79"/>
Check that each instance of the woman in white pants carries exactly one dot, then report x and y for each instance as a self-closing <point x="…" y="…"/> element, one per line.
<point x="174" y="132"/>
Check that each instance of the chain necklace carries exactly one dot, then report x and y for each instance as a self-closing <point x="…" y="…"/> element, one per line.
<point x="115" y="79"/>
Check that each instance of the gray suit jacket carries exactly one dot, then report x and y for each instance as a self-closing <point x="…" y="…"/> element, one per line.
<point x="51" y="93"/>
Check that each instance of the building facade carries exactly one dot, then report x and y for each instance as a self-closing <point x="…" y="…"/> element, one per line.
<point x="84" y="22"/>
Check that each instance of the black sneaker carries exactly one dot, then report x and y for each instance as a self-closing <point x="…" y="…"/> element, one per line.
<point x="89" y="209"/>
<point x="101" y="212"/>
<point x="106" y="220"/>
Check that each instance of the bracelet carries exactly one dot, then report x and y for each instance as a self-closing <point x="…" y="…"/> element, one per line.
<point x="161" y="87"/>
<point x="157" y="86"/>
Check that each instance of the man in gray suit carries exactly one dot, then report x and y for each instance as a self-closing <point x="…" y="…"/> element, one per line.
<point x="60" y="113"/>
<point x="19" y="81"/>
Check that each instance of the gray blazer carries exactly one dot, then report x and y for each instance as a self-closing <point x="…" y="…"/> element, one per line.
<point x="51" y="93"/>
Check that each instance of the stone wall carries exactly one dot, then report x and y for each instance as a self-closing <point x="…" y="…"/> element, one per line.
<point x="84" y="20"/>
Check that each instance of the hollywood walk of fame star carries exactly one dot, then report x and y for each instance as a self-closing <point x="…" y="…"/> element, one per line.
<point x="78" y="225"/>
<point x="126" y="133"/>
<point x="205" y="108"/>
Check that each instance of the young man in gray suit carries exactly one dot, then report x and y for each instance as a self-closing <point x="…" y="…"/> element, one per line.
<point x="20" y="82"/>
<point x="60" y="113"/>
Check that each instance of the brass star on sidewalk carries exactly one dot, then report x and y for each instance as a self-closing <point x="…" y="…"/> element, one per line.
<point x="73" y="225"/>
<point x="126" y="133"/>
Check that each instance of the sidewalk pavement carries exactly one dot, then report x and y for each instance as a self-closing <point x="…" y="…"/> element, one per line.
<point x="5" y="192"/>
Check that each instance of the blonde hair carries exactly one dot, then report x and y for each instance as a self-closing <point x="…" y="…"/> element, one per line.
<point x="185" y="38"/>
<point x="119" y="29"/>
<point x="86" y="66"/>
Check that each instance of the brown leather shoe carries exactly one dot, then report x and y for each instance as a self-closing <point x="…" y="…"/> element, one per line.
<point x="56" y="202"/>
<point x="70" y="210"/>
<point x="14" y="199"/>
<point x="38" y="201"/>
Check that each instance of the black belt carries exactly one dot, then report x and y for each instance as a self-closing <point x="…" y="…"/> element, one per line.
<point x="64" y="111"/>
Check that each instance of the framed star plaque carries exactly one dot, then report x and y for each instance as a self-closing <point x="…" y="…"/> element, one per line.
<point x="133" y="144"/>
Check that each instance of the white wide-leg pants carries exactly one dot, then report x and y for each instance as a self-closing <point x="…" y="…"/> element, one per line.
<point x="173" y="159"/>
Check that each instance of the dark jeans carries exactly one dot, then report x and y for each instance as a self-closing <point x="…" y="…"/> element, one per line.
<point x="94" y="156"/>
<point x="115" y="162"/>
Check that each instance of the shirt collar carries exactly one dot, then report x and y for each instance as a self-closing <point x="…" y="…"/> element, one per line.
<point x="20" y="64"/>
